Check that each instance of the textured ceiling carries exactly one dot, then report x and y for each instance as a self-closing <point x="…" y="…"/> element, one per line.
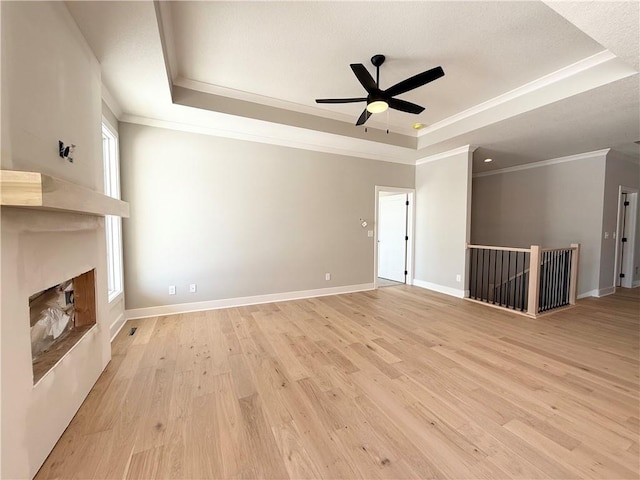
<point x="524" y="81"/>
<point x="301" y="51"/>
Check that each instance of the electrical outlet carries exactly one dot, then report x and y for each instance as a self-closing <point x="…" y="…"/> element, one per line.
<point x="172" y="289"/>
<point x="327" y="276"/>
<point x="193" y="288"/>
<point x="458" y="278"/>
<point x="606" y="235"/>
<point x="370" y="233"/>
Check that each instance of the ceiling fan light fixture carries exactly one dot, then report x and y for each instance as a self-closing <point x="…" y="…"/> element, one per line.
<point x="378" y="106"/>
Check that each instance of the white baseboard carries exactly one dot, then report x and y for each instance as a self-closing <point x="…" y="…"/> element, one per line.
<point x="242" y="301"/>
<point x="590" y="293"/>
<point x="454" y="292"/>
<point x="635" y="284"/>
<point x="117" y="325"/>
<point x="603" y="292"/>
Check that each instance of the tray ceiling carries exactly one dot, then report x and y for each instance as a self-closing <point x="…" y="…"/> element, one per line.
<point x="253" y="69"/>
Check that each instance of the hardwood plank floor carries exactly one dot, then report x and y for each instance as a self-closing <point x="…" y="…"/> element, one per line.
<point x="394" y="383"/>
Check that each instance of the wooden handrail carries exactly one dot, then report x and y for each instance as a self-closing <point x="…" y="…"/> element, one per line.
<point x="534" y="270"/>
<point x="506" y="249"/>
<point x="560" y="249"/>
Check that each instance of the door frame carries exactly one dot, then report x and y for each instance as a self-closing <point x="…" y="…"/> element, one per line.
<point x="629" y="255"/>
<point x="411" y="219"/>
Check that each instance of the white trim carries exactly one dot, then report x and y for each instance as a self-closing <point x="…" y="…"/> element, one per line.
<point x="243" y="301"/>
<point x="635" y="284"/>
<point x="528" y="88"/>
<point x="411" y="192"/>
<point x="450" y="153"/>
<point x="111" y="102"/>
<point x="274" y="140"/>
<point x="117" y="325"/>
<point x="454" y="292"/>
<point x="545" y="163"/>
<point x="590" y="293"/>
<point x="603" y="292"/>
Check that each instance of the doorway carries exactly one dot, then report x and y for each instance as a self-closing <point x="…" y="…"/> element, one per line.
<point x="626" y="237"/>
<point x="394" y="232"/>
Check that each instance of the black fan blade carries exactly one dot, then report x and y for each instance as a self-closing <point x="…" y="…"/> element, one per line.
<point x="340" y="100"/>
<point x="363" y="117"/>
<point x="415" y="82"/>
<point x="404" y="106"/>
<point x="364" y="77"/>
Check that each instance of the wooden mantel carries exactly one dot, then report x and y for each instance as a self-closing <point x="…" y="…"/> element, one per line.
<point x="43" y="192"/>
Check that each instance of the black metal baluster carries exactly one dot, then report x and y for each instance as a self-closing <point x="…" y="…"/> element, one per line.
<point x="482" y="276"/>
<point x="471" y="273"/>
<point x="556" y="278"/>
<point x="495" y="276"/>
<point x="543" y="283"/>
<point x="501" y="276"/>
<point x="508" y="276"/>
<point x="525" y="283"/>
<point x="553" y="273"/>
<point x="515" y="283"/>
<point x="475" y="289"/>
<point x="567" y="274"/>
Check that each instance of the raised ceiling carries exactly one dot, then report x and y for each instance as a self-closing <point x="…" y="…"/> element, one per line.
<point x="520" y="76"/>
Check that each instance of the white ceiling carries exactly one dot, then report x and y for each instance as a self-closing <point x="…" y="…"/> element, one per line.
<point x="523" y="81"/>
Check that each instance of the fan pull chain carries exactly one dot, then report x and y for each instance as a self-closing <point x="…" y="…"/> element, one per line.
<point x="387" y="121"/>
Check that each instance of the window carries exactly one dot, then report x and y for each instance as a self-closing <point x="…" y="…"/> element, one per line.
<point x="113" y="225"/>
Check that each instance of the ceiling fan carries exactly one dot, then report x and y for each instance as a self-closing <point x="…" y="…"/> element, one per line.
<point x="379" y="100"/>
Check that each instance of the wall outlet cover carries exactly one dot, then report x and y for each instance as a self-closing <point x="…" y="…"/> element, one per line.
<point x="327" y="276"/>
<point x="172" y="289"/>
<point x="458" y="278"/>
<point x="193" y="288"/>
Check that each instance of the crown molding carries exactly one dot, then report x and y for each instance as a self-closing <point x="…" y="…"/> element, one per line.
<point x="527" y="88"/>
<point x="327" y="147"/>
<point x="450" y="153"/>
<point x="545" y="163"/>
<point x="111" y="102"/>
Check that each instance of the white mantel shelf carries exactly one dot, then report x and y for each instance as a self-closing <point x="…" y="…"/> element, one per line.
<point x="43" y="192"/>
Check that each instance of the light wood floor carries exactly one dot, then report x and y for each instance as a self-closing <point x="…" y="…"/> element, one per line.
<point x="394" y="383"/>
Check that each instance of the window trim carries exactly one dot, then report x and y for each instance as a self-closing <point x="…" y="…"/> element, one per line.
<point x="113" y="224"/>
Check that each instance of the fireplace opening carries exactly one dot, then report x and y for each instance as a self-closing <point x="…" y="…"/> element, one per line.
<point x="59" y="317"/>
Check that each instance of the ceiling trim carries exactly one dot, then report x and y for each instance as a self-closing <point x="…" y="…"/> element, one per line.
<point x="210" y="88"/>
<point x="545" y="163"/>
<point x="111" y="102"/>
<point x="450" y="153"/>
<point x="169" y="66"/>
<point x="545" y="81"/>
<point x="267" y="139"/>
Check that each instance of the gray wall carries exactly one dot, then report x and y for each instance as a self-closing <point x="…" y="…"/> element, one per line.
<point x="442" y="223"/>
<point x="551" y="206"/>
<point x="241" y="218"/>
<point x="620" y="170"/>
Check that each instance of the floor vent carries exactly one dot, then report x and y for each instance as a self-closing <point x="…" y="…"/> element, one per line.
<point x="133" y="330"/>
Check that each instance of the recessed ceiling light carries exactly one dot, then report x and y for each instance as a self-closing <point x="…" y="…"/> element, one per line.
<point x="487" y="160"/>
<point x="418" y="126"/>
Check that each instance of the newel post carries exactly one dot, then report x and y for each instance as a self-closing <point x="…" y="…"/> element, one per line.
<point x="573" y="282"/>
<point x="534" y="280"/>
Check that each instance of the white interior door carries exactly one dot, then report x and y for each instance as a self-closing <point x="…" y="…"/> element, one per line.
<point x="392" y="231"/>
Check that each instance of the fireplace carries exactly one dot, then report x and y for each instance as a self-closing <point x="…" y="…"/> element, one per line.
<point x="59" y="317"/>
